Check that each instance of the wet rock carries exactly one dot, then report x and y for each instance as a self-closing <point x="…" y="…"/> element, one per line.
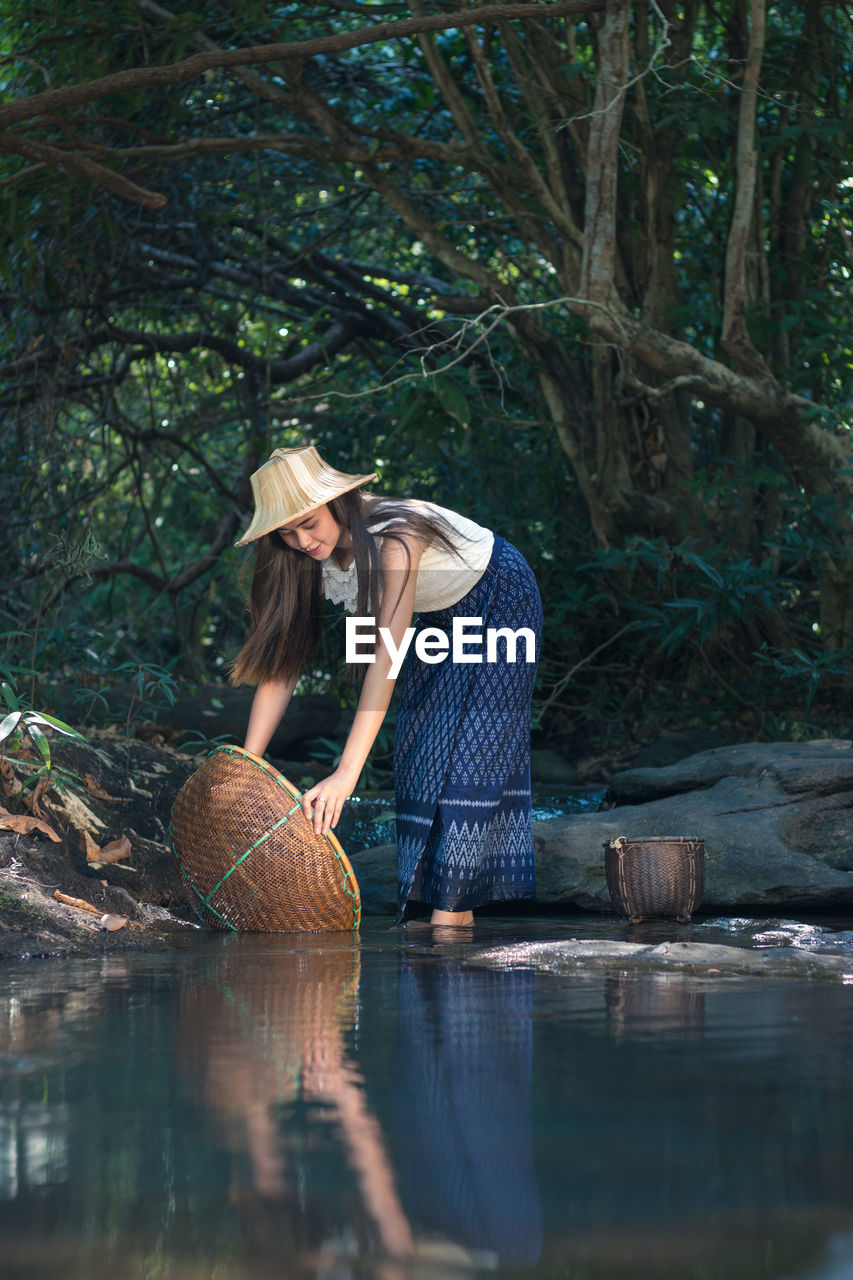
<point x="690" y="958"/>
<point x="376" y="872"/>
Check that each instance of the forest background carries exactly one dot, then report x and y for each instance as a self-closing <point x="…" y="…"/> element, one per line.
<point x="579" y="269"/>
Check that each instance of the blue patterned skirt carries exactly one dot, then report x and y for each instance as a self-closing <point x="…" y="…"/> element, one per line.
<point x="462" y="754"/>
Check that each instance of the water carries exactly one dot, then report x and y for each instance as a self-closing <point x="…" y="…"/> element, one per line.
<point x="250" y="1107"/>
<point x="369" y="820"/>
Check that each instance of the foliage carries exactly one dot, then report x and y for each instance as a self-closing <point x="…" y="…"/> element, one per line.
<point x="338" y="242"/>
<point x="21" y="726"/>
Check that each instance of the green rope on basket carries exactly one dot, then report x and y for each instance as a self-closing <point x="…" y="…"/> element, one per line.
<point x="251" y="849"/>
<point x="205" y="905"/>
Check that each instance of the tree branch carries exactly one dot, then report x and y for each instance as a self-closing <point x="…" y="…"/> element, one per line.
<point x="735" y="337"/>
<point x="171" y="586"/>
<point x="73" y="162"/>
<point x="54" y="100"/>
<point x="599" y="251"/>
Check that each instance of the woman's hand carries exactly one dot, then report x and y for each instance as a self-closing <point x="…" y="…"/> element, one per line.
<point x="322" y="804"/>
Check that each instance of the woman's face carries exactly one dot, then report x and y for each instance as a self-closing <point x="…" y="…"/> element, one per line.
<point x="317" y="533"/>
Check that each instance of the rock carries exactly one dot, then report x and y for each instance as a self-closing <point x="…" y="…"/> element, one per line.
<point x="376" y="872"/>
<point x="675" y="746"/>
<point x="111" y="923"/>
<point x="818" y="766"/>
<point x="689" y="958"/>
<point x="777" y="820"/>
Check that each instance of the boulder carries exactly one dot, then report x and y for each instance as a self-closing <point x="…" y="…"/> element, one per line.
<point x="819" y="767"/>
<point x="777" y="820"/>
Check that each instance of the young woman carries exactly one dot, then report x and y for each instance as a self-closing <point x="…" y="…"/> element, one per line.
<point x="462" y="750"/>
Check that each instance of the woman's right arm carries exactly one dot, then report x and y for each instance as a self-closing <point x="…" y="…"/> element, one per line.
<point x="269" y="705"/>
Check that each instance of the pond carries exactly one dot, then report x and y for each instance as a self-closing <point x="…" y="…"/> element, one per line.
<point x="250" y="1107"/>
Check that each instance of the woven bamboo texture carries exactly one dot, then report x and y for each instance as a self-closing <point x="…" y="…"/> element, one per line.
<point x="655" y="877"/>
<point x="249" y="856"/>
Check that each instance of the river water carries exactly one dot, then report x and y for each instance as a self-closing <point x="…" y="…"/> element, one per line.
<point x="250" y="1107"/>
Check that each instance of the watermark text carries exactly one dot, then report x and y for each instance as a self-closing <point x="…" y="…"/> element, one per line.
<point x="464" y="644"/>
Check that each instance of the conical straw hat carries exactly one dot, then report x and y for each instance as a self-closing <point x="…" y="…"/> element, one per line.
<point x="291" y="483"/>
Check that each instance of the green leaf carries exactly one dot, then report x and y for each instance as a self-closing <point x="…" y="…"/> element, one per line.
<point x="41" y="741"/>
<point x="454" y="401"/>
<point x="9" y="724"/>
<point x="8" y="695"/>
<point x="33" y="717"/>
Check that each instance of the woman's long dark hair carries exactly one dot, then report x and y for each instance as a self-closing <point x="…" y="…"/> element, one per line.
<point x="286" y="596"/>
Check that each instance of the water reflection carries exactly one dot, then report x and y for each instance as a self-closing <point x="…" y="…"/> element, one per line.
<point x="653" y="1005"/>
<point x="261" y="1109"/>
<point x="463" y="1096"/>
<point x="259" y="1041"/>
<point x="266" y="1047"/>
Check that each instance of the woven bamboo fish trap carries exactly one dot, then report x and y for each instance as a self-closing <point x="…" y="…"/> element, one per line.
<point x="249" y="856"/>
<point x="655" y="877"/>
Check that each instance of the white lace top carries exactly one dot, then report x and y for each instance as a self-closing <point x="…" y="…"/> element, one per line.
<point x="443" y="577"/>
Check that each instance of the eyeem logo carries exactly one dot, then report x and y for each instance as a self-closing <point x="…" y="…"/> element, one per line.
<point x="464" y="644"/>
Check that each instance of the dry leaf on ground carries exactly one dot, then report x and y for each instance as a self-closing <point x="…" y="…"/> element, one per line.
<point x="91" y="848"/>
<point x="25" y="825"/>
<point x="95" y="789"/>
<point x="78" y="903"/>
<point x="116" y="851"/>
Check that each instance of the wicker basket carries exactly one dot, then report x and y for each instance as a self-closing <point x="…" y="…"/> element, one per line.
<point x="250" y="857"/>
<point x="655" y="877"/>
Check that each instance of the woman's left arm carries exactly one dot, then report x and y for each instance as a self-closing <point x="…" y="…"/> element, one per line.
<point x="323" y="803"/>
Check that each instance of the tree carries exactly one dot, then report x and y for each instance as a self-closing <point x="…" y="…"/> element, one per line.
<point x="640" y="205"/>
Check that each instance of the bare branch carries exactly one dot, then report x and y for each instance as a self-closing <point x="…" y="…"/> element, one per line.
<point x="176" y="583"/>
<point x="735" y="338"/>
<point x="53" y="100"/>
<point x="73" y="162"/>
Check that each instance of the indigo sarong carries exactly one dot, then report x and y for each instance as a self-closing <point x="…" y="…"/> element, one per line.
<point x="462" y="754"/>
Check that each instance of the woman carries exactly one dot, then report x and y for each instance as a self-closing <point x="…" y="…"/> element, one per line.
<point x="462" y="758"/>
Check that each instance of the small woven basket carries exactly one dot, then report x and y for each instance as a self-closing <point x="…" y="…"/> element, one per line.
<point x="655" y="877"/>
<point x="250" y="857"/>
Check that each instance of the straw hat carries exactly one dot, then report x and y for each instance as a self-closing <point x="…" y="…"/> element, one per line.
<point x="289" y="484"/>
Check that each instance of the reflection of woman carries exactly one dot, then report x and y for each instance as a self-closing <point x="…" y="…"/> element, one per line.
<point x="261" y="1036"/>
<point x="461" y="765"/>
<point x="462" y="1083"/>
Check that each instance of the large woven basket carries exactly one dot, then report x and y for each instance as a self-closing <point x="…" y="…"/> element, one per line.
<point x="250" y="857"/>
<point x="655" y="877"/>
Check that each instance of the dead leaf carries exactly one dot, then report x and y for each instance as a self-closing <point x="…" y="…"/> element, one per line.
<point x="116" y="851"/>
<point x="95" y="789"/>
<point x="91" y="848"/>
<point x="9" y="785"/>
<point x="34" y="796"/>
<point x="25" y="825"/>
<point x="78" y="903"/>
